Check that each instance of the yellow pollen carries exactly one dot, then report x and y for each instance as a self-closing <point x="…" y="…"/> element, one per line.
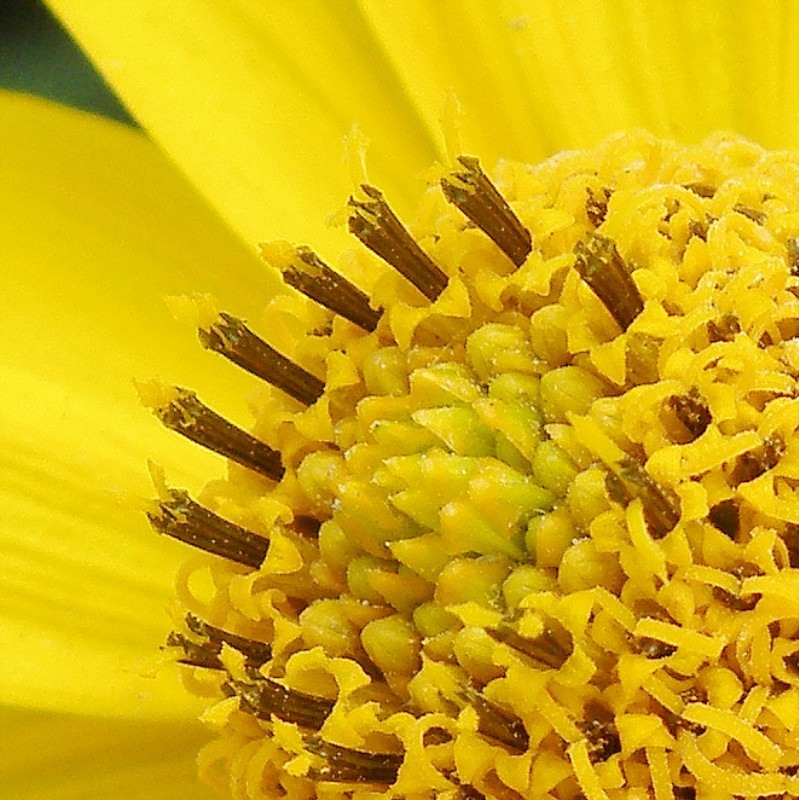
<point x="518" y="515"/>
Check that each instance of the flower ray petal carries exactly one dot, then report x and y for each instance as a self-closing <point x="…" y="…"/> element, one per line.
<point x="253" y="100"/>
<point x="97" y="227"/>
<point x="42" y="757"/>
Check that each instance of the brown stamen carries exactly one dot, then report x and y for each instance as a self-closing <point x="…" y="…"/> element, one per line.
<point x="189" y="417"/>
<point x="551" y="648"/>
<point x="257" y="652"/>
<point x="377" y="227"/>
<point x="497" y="724"/>
<point x="476" y="196"/>
<point x="596" y="205"/>
<point x="231" y="338"/>
<point x="305" y="526"/>
<point x="758" y="217"/>
<point x="653" y="648"/>
<point x="691" y="411"/>
<point x="791" y="538"/>
<point x="648" y="647"/>
<point x="691" y="695"/>
<point x="466" y="792"/>
<point x="189" y="522"/>
<point x="736" y="602"/>
<point x="347" y="765"/>
<point x="600" y="730"/>
<point x="726" y="517"/>
<point x="792" y="246"/>
<point x="725" y="329"/>
<point x="203" y="654"/>
<point x="311" y="276"/>
<point x="660" y="510"/>
<point x="754" y="463"/>
<point x="603" y="269"/>
<point x="265" y="698"/>
<point x="701" y="189"/>
<point x="206" y="652"/>
<point x="699" y="228"/>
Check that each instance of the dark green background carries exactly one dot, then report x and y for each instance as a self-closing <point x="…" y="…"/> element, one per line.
<point x="37" y="56"/>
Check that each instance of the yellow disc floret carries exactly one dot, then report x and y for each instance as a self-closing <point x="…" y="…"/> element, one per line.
<point x="518" y="516"/>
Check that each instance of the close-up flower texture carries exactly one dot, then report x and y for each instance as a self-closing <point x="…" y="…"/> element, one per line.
<point x="407" y="406"/>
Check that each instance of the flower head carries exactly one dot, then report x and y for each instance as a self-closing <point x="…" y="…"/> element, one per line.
<point x="459" y="623"/>
<point x="533" y="533"/>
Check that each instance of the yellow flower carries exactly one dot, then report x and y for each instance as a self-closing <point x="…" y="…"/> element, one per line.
<point x="247" y="104"/>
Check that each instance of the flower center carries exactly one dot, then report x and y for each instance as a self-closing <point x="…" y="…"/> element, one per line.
<point x="517" y="517"/>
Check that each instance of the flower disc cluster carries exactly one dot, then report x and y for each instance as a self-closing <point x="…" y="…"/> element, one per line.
<point x="517" y="517"/>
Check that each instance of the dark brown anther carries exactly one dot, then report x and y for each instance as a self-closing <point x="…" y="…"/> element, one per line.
<point x="189" y="417"/>
<point x="600" y="731"/>
<point x="672" y="207"/>
<point x="736" y="602"/>
<point x="374" y="223"/>
<point x="692" y="695"/>
<point x="599" y="264"/>
<point x="791" y="662"/>
<point x="497" y="724"/>
<point x="725" y="329"/>
<point x="265" y="698"/>
<point x="311" y="276"/>
<point x="206" y="652"/>
<point x="550" y="649"/>
<point x="231" y="338"/>
<point x="758" y="217"/>
<point x="257" y="653"/>
<point x="617" y="491"/>
<point x="183" y="519"/>
<point x="699" y="228"/>
<point x="701" y="189"/>
<point x="466" y="792"/>
<point x="765" y="340"/>
<point x="652" y="648"/>
<point x="725" y="517"/>
<point x="660" y="510"/>
<point x="792" y="247"/>
<point x="791" y="538"/>
<point x="739" y="601"/>
<point x="692" y="412"/>
<point x="203" y="654"/>
<point x="471" y="191"/>
<point x="596" y="205"/>
<point x="347" y="765"/>
<point x="305" y="526"/>
<point x="435" y="736"/>
<point x="646" y="646"/>
<point x="754" y="463"/>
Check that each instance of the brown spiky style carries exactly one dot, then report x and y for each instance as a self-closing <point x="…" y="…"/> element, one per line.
<point x="471" y="190"/>
<point x="378" y="227"/>
<point x="185" y="414"/>
<point x="231" y="338"/>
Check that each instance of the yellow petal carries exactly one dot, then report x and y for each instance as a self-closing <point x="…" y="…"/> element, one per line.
<point x="96" y="227"/>
<point x="61" y="757"/>
<point x="535" y="77"/>
<point x="253" y="101"/>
